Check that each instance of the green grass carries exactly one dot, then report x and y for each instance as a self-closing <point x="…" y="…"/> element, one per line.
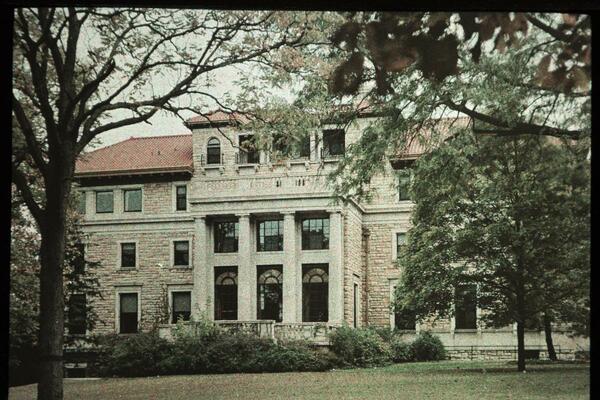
<point x="434" y="380"/>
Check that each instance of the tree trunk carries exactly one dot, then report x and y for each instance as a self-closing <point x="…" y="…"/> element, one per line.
<point x="52" y="255"/>
<point x="521" y="346"/>
<point x="549" y="342"/>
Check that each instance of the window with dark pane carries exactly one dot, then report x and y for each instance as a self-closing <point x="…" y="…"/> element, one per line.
<point x="400" y="241"/>
<point x="213" y="151"/>
<point x="226" y="293"/>
<point x="77" y="314"/>
<point x="405" y="318"/>
<point x="466" y="307"/>
<point x="132" y="199"/>
<point x="270" y="287"/>
<point x="334" y="142"/>
<point x="248" y="152"/>
<point x="226" y="237"/>
<point x="181" y="306"/>
<point x="128" y="312"/>
<point x="81" y="203"/>
<point x="181" y="197"/>
<point x="315" y="292"/>
<point x="181" y="253"/>
<point x="315" y="234"/>
<point x="403" y="185"/>
<point x="104" y="201"/>
<point x="270" y="235"/>
<point x="305" y="146"/>
<point x="127" y="255"/>
<point x="78" y="260"/>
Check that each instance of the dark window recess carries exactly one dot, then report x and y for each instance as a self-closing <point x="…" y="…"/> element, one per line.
<point x="226" y="296"/>
<point x="466" y="307"/>
<point x="355" y="306"/>
<point x="81" y="202"/>
<point x="132" y="199"/>
<point x="334" y="142"/>
<point x="315" y="293"/>
<point x="128" y="313"/>
<point x="77" y="314"/>
<point x="213" y="151"/>
<point x="403" y="185"/>
<point x="270" y="295"/>
<point x="104" y="201"/>
<point x="226" y="237"/>
<point x="181" y="198"/>
<point x="315" y="234"/>
<point x="405" y="319"/>
<point x="400" y="241"/>
<point x="182" y="306"/>
<point x="270" y="235"/>
<point x="248" y="152"/>
<point x="78" y="260"/>
<point x="127" y="255"/>
<point x="181" y="253"/>
<point x="75" y="372"/>
<point x="305" y="146"/>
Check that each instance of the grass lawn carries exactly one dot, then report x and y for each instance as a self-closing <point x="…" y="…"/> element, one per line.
<point x="435" y="380"/>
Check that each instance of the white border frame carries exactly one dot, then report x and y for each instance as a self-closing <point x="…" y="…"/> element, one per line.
<point x="137" y="255"/>
<point x="205" y="153"/>
<point x="172" y="252"/>
<point x="137" y="289"/>
<point x="95" y="206"/>
<point x="179" y="288"/>
<point x="174" y="196"/>
<point x="122" y="189"/>
<point x="394" y="244"/>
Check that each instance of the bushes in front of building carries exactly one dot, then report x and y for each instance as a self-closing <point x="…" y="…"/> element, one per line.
<point x="402" y="351"/>
<point x="427" y="347"/>
<point x="360" y="347"/>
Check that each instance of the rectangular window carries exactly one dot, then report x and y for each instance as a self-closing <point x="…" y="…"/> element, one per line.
<point x="403" y="184"/>
<point x="355" y="308"/>
<point x="334" y="142"/>
<point x="127" y="255"/>
<point x="181" y="198"/>
<point x="315" y="234"/>
<point x="315" y="292"/>
<point x="181" y="306"/>
<point x="400" y="240"/>
<point x="248" y="152"/>
<point x="226" y="237"/>
<point x="132" y="199"/>
<point x="128" y="312"/>
<point x="81" y="202"/>
<point x="181" y="253"/>
<point x="226" y="293"/>
<point x="104" y="201"/>
<point x="269" y="292"/>
<point x="270" y="235"/>
<point x="466" y="307"/>
<point x="305" y="146"/>
<point x="78" y="260"/>
<point x="77" y="315"/>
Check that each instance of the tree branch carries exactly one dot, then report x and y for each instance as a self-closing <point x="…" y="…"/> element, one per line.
<point x="19" y="179"/>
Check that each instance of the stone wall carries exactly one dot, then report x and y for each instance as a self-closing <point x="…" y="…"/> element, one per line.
<point x="352" y="263"/>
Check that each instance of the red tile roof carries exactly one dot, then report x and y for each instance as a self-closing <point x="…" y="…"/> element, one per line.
<point x="217" y="117"/>
<point x="140" y="155"/>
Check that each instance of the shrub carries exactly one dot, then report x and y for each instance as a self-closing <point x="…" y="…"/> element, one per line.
<point x="427" y="347"/>
<point x="402" y="351"/>
<point x="360" y="347"/>
<point x="385" y="333"/>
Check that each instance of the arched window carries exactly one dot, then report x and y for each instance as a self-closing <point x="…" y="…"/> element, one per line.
<point x="213" y="151"/>
<point x="226" y="296"/>
<point x="270" y="299"/>
<point x="315" y="293"/>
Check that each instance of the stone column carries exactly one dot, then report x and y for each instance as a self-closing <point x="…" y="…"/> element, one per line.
<point x="336" y="271"/>
<point x="201" y="272"/>
<point x="246" y="272"/>
<point x="291" y="297"/>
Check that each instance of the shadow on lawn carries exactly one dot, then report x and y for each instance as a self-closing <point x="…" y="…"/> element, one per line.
<point x="511" y="366"/>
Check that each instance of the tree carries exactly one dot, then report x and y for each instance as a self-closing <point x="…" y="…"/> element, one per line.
<point x="74" y="68"/>
<point x="507" y="214"/>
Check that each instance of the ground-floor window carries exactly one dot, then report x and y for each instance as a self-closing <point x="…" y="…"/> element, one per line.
<point x="226" y="293"/>
<point x="128" y="312"/>
<point x="181" y="306"/>
<point x="315" y="291"/>
<point x="77" y="315"/>
<point x="270" y="299"/>
<point x="465" y="301"/>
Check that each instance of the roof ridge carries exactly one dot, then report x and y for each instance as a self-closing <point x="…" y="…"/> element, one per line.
<point x="154" y="137"/>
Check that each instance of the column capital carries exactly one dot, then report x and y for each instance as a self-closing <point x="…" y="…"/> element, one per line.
<point x="242" y="215"/>
<point x="334" y="211"/>
<point x="200" y="217"/>
<point x="288" y="213"/>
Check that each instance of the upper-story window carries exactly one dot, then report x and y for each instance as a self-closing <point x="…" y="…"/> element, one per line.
<point x="465" y="302"/>
<point x="248" y="152"/>
<point x="78" y="260"/>
<point x="270" y="235"/>
<point x="128" y="255"/>
<point x="213" y="151"/>
<point x="403" y="184"/>
<point x="181" y="253"/>
<point x="181" y="198"/>
<point x="304" y="148"/>
<point x="104" y="201"/>
<point x="400" y="241"/>
<point x="334" y="142"/>
<point x="81" y="202"/>
<point x="181" y="306"/>
<point x="132" y="200"/>
<point x="315" y="234"/>
<point x="226" y="237"/>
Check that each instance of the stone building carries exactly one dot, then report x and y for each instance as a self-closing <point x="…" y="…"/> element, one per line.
<point x="194" y="225"/>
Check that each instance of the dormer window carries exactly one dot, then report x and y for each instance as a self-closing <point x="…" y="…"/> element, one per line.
<point x="334" y="142"/>
<point x="213" y="151"/>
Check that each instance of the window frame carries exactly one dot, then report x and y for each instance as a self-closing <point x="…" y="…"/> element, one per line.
<point x="395" y="243"/>
<point x="217" y="146"/>
<point x="82" y="198"/>
<point x="217" y="237"/>
<point x="96" y="192"/>
<point x="280" y="230"/>
<point x="306" y="268"/>
<point x="179" y="289"/>
<point x="217" y="273"/>
<point x="85" y="318"/>
<point x="133" y="189"/>
<point x="174" y="186"/>
<point x="476" y="309"/>
<point x="242" y="137"/>
<point x="403" y="183"/>
<point x="260" y="271"/>
<point x="331" y="133"/>
<point x="127" y="290"/>
<point x="173" y="242"/>
<point x="120" y="254"/>
<point x="393" y="283"/>
<point x="305" y="243"/>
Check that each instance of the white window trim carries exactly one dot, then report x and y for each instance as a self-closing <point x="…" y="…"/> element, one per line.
<point x="118" y="292"/>
<point x="137" y="254"/>
<point x="394" y="244"/>
<point x="176" y="289"/>
<point x="397" y="187"/>
<point x="205" y="154"/>
<point x="174" y="196"/>
<point x="95" y="191"/>
<point x="172" y="252"/>
<point x="393" y="282"/>
<point x="131" y="187"/>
